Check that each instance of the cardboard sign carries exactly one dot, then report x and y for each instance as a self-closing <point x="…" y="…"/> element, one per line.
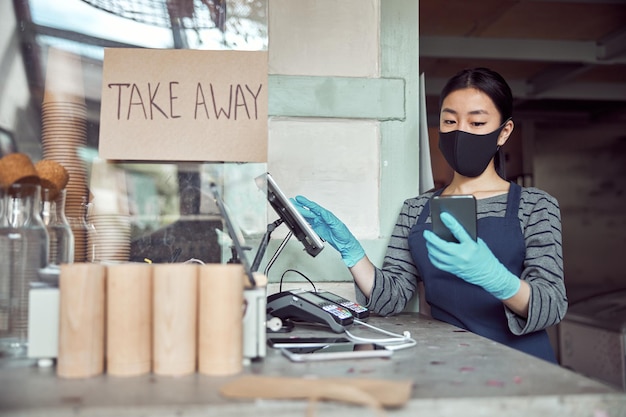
<point x="184" y="105"/>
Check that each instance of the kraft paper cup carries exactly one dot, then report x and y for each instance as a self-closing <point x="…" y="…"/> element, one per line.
<point x="129" y="319"/>
<point x="81" y="320"/>
<point x="221" y="319"/>
<point x="175" y="312"/>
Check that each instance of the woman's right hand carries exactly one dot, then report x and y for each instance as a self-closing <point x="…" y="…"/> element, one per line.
<point x="330" y="229"/>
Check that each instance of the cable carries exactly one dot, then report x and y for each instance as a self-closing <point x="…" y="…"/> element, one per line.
<point x="280" y="288"/>
<point x="396" y="342"/>
<point x="194" y="260"/>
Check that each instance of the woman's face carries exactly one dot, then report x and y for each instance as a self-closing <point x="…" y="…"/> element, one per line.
<point x="472" y="111"/>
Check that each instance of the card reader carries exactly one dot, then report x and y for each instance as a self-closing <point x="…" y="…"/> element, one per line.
<point x="308" y="307"/>
<point x="356" y="309"/>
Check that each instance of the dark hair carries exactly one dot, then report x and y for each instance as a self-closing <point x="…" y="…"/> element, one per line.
<point x="493" y="85"/>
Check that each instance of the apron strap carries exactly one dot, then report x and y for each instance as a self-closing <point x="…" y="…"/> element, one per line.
<point x="512" y="203"/>
<point x="426" y="209"/>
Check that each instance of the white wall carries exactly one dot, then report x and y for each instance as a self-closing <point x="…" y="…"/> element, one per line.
<point x="324" y="37"/>
<point x="333" y="162"/>
<point x="584" y="166"/>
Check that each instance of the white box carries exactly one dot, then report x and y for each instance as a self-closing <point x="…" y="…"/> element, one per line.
<point x="254" y="333"/>
<point x="43" y="322"/>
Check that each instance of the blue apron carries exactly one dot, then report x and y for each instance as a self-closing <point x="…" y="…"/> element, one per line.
<point x="468" y="306"/>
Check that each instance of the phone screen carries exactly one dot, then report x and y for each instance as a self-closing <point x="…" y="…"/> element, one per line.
<point x="337" y="347"/>
<point x="295" y="342"/>
<point x="462" y="207"/>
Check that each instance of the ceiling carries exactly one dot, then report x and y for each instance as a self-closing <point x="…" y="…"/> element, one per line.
<point x="563" y="59"/>
<point x="86" y="27"/>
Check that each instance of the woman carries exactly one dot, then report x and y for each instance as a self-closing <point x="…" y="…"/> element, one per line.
<point x="508" y="285"/>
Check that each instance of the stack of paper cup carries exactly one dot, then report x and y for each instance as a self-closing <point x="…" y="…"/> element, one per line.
<point x="64" y="132"/>
<point x="110" y="214"/>
<point x="111" y="238"/>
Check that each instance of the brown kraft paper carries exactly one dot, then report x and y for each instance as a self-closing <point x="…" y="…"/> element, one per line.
<point x="374" y="393"/>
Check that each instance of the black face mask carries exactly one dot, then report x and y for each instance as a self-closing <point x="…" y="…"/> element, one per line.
<point x="468" y="153"/>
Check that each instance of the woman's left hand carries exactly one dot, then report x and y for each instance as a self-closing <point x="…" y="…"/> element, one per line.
<point x="470" y="260"/>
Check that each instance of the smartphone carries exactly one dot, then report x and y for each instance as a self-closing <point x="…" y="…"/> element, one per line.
<point x="462" y="207"/>
<point x="296" y="341"/>
<point x="336" y="351"/>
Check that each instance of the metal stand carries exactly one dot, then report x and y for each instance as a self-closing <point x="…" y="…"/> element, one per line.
<point x="278" y="251"/>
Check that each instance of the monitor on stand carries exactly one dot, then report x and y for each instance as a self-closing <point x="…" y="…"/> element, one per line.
<point x="290" y="216"/>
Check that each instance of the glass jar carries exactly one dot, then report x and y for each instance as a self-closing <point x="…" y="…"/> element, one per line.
<point x="84" y="234"/>
<point x="61" y="250"/>
<point x="24" y="246"/>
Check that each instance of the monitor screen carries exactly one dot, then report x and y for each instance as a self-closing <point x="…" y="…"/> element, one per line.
<point x="313" y="244"/>
<point x="233" y="234"/>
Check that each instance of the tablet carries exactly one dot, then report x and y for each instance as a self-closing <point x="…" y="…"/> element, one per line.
<point x="336" y="351"/>
<point x="298" y="341"/>
<point x="301" y="229"/>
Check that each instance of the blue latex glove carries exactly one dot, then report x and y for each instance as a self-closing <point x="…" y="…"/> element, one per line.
<point x="470" y="260"/>
<point x="331" y="229"/>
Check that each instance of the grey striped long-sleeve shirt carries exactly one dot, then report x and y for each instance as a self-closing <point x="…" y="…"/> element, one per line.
<point x="540" y="222"/>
